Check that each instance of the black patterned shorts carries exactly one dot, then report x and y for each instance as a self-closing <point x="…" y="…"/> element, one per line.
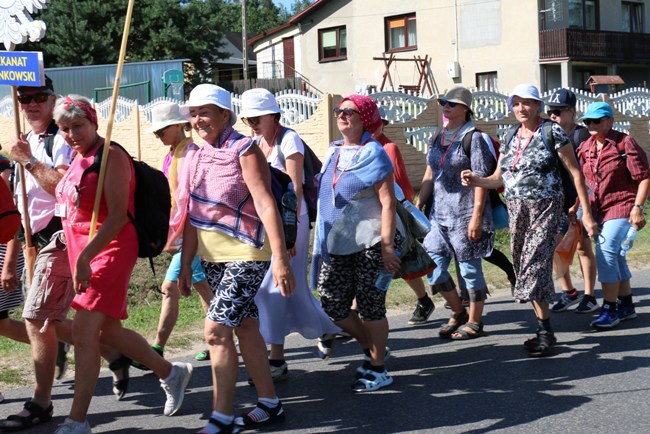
<point x="348" y="276"/>
<point x="234" y="285"/>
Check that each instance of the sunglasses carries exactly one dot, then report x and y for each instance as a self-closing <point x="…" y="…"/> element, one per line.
<point x="444" y="102"/>
<point x="348" y="112"/>
<point x="160" y="132"/>
<point x="594" y="121"/>
<point x="251" y="121"/>
<point x="37" y="98"/>
<point x="555" y="112"/>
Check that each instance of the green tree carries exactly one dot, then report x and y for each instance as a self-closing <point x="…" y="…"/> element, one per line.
<point x="261" y="15"/>
<point x="300" y="5"/>
<point x="89" y="32"/>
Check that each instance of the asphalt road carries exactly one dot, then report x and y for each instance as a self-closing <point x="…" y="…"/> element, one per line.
<point x="596" y="382"/>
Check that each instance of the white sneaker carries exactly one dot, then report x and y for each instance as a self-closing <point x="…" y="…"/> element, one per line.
<point x="175" y="387"/>
<point x="70" y="426"/>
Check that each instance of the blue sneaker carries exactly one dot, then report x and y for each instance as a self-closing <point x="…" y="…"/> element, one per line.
<point x="566" y="301"/>
<point x="626" y="312"/>
<point x="608" y="318"/>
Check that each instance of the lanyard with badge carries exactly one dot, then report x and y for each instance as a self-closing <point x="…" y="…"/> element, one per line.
<point x="508" y="177"/>
<point x="442" y="146"/>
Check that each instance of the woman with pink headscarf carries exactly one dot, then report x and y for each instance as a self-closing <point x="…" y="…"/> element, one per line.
<point x="355" y="238"/>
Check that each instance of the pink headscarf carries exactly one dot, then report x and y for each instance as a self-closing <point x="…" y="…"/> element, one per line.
<point x="368" y="111"/>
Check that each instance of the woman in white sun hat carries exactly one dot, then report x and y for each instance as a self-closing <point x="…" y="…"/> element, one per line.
<point x="169" y="127"/>
<point x="234" y="224"/>
<point x="302" y="313"/>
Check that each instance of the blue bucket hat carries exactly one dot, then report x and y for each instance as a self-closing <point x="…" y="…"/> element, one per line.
<point x="598" y="110"/>
<point x="526" y="91"/>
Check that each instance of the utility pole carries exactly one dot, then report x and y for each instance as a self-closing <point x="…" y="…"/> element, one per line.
<point x="244" y="49"/>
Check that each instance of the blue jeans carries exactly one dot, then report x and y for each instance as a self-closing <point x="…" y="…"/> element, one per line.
<point x="612" y="267"/>
<point x="471" y="272"/>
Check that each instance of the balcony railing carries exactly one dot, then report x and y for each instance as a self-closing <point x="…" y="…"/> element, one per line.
<point x="589" y="45"/>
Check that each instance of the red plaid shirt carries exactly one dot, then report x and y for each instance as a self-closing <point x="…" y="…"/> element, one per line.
<point x="613" y="175"/>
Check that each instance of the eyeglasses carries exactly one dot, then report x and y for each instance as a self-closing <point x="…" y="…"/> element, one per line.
<point x="252" y="121"/>
<point x="594" y="121"/>
<point x="160" y="132"/>
<point x="555" y="112"/>
<point x="444" y="102"/>
<point x="37" y="98"/>
<point x="348" y="112"/>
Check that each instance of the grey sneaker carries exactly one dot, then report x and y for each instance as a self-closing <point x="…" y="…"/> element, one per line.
<point x="588" y="304"/>
<point x="61" y="360"/>
<point x="566" y="302"/>
<point x="70" y="426"/>
<point x="422" y="313"/>
<point x="175" y="387"/>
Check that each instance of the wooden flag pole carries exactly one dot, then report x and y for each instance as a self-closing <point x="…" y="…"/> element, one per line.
<point x="111" y="117"/>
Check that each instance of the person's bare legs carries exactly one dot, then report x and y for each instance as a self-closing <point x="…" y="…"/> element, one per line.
<point x="168" y="312"/>
<point x="86" y="332"/>
<point x="377" y="333"/>
<point x="587" y="260"/>
<point x="417" y="285"/>
<point x="224" y="363"/>
<point x="44" y="350"/>
<point x="277" y="352"/>
<point x="253" y="351"/>
<point x="354" y="326"/>
<point x="14" y="330"/>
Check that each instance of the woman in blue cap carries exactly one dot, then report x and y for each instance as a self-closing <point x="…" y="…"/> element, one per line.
<point x="616" y="171"/>
<point x="528" y="168"/>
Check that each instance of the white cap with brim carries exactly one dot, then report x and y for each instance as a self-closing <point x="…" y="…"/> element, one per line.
<point x="258" y="102"/>
<point x="205" y="94"/>
<point x="164" y="115"/>
<point x="526" y="91"/>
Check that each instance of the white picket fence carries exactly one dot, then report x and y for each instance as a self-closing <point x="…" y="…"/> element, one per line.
<point x="296" y="106"/>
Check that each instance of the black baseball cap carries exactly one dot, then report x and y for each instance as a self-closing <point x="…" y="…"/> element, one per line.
<point x="562" y="98"/>
<point x="48" y="86"/>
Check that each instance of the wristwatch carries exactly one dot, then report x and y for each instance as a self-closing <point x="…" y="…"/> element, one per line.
<point x="641" y="207"/>
<point x="30" y="163"/>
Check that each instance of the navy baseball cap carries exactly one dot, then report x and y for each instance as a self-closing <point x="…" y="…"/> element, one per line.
<point x="47" y="86"/>
<point x="562" y="98"/>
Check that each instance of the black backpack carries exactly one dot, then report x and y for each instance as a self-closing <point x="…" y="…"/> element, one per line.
<point x="311" y="169"/>
<point x="569" y="188"/>
<point x="152" y="205"/>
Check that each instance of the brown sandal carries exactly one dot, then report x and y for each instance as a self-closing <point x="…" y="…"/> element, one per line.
<point x="456" y="320"/>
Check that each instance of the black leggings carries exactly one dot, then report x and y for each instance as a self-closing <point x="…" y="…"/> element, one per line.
<point x="500" y="260"/>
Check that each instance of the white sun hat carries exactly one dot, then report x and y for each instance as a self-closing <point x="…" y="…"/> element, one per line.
<point x="258" y="102"/>
<point x="164" y="115"/>
<point x="205" y="94"/>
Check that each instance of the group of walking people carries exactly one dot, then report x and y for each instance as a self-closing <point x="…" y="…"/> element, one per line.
<point x="227" y="240"/>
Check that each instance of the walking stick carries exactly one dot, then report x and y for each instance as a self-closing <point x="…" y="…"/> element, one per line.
<point x="29" y="251"/>
<point x="111" y="117"/>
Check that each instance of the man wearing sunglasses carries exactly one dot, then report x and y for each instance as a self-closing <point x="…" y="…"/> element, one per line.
<point x="561" y="108"/>
<point x="44" y="156"/>
<point x="616" y="172"/>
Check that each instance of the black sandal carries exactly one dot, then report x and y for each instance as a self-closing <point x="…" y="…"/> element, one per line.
<point x="541" y="345"/>
<point x="37" y="415"/>
<point x="468" y="331"/>
<point x="120" y="366"/>
<point x="458" y="319"/>
<point x="275" y="414"/>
